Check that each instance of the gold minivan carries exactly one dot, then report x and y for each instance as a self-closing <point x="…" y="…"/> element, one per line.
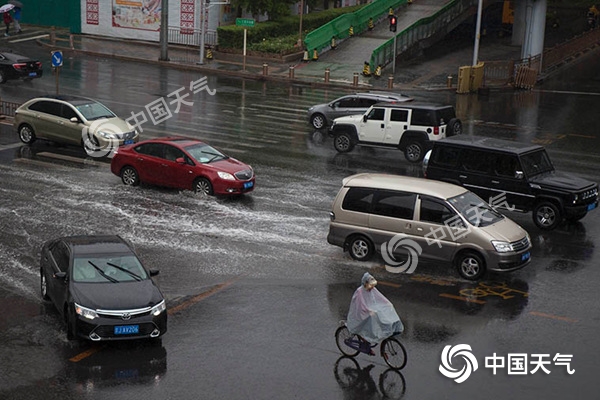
<point x="413" y="219"/>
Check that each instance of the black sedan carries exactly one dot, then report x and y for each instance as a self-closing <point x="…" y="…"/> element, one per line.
<point x="101" y="289"/>
<point x="15" y="66"/>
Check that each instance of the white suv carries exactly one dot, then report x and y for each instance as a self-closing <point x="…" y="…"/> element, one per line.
<point x="408" y="127"/>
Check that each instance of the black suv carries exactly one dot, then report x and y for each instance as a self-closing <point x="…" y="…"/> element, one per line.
<point x="513" y="176"/>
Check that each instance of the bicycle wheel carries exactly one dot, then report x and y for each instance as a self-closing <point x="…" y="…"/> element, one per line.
<point x="341" y="334"/>
<point x="393" y="353"/>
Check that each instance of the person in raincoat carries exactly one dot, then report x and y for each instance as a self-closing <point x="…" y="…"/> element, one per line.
<point x="7" y="20"/>
<point x="371" y="314"/>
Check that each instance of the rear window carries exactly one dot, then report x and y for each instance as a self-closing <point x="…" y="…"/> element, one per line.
<point x="423" y="117"/>
<point x="358" y="199"/>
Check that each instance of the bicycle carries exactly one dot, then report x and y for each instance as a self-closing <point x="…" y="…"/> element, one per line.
<point x="392" y="351"/>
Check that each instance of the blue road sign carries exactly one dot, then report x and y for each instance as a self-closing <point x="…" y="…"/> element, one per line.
<point x="57" y="58"/>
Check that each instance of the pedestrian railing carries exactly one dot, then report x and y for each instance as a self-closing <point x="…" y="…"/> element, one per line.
<point x="8" y="108"/>
<point x="190" y="36"/>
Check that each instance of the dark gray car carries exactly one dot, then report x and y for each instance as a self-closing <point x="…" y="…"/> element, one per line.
<point x="321" y="115"/>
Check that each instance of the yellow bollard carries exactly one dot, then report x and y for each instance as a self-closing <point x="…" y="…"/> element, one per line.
<point x="351" y="31"/>
<point x="315" y="55"/>
<point x="209" y="54"/>
<point x="371" y="25"/>
<point x="333" y="43"/>
<point x="377" y="73"/>
<point x="367" y="69"/>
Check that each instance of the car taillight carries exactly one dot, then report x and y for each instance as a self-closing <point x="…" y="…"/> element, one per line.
<point x="19" y="66"/>
<point x="38" y="64"/>
<point x="436" y="130"/>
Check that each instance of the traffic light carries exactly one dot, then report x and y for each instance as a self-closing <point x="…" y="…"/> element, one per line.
<point x="393" y="23"/>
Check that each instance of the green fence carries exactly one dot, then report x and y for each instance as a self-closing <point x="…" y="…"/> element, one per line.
<point x="359" y="21"/>
<point x="420" y="30"/>
<point x="58" y="13"/>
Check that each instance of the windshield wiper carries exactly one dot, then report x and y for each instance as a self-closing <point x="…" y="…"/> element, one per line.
<point x="214" y="156"/>
<point x="113" y="280"/>
<point x="134" y="275"/>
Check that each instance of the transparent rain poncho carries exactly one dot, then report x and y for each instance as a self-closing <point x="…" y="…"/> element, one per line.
<point x="372" y="315"/>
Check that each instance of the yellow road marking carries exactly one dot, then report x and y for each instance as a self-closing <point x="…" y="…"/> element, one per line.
<point x="199" y="297"/>
<point x="582" y="136"/>
<point x="452" y="296"/>
<point x="394" y="285"/>
<point x="556" y="317"/>
<point x="84" y="354"/>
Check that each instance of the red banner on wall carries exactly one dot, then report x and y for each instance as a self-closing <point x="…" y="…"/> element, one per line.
<point x="187" y="17"/>
<point x="91" y="12"/>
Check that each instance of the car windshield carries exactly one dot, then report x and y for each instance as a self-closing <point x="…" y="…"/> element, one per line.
<point x="475" y="210"/>
<point x="536" y="163"/>
<point x="205" y="154"/>
<point x="108" y="268"/>
<point x="93" y="111"/>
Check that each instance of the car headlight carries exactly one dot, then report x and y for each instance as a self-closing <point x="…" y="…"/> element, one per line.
<point x="85" y="312"/>
<point x="157" y="309"/>
<point x="502" y="247"/>
<point x="108" y="135"/>
<point x="226" y="175"/>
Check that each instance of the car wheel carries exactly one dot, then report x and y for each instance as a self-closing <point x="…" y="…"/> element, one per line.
<point x="203" y="186"/>
<point x="546" y="215"/>
<point x="318" y="121"/>
<point x="2" y="77"/>
<point x="130" y="176"/>
<point x="454" y="127"/>
<point x="26" y="134"/>
<point x="44" y="286"/>
<point x="470" y="265"/>
<point x="343" y="142"/>
<point x="360" y="248"/>
<point x="414" y="152"/>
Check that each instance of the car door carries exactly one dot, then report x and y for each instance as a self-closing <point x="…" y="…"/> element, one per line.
<point x="436" y="228"/>
<point x="397" y="125"/>
<point x="148" y="161"/>
<point x="508" y="187"/>
<point x="177" y="174"/>
<point x="348" y="105"/>
<point x="44" y="114"/>
<point x="59" y="260"/>
<point x="474" y="171"/>
<point x="392" y="214"/>
<point x="67" y="130"/>
<point x="372" y="126"/>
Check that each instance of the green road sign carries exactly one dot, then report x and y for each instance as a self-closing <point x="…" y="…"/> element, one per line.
<point x="244" y="22"/>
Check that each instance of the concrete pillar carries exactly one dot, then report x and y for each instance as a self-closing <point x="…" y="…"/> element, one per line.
<point x="533" y="43"/>
<point x="518" y="30"/>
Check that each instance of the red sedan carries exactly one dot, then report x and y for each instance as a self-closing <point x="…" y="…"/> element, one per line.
<point x="182" y="163"/>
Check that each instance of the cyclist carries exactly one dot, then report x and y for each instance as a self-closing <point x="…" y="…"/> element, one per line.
<point x="372" y="316"/>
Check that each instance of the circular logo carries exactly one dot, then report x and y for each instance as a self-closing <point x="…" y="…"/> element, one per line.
<point x="459" y="375"/>
<point x="409" y="246"/>
<point x="105" y="146"/>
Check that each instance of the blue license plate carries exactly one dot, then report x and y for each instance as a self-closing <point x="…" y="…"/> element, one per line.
<point x="590" y="207"/>
<point x="127" y="329"/>
<point x="525" y="256"/>
<point x="33" y="74"/>
<point x="128" y="141"/>
<point x="248" y="185"/>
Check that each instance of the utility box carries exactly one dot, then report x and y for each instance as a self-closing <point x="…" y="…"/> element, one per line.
<point x="464" y="80"/>
<point x="477" y="76"/>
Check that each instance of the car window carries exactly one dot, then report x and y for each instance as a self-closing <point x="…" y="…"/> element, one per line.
<point x="505" y="165"/>
<point x="476" y="161"/>
<point x="348" y="102"/>
<point x="151" y="149"/>
<point x="95" y="110"/>
<point x="399" y="115"/>
<point x="358" y="199"/>
<point x="394" y="204"/>
<point x="475" y="210"/>
<point x="536" y="162"/>
<point x="67" y="112"/>
<point x="423" y="117"/>
<point x="172" y="153"/>
<point x="108" y="268"/>
<point x="445" y="156"/>
<point x="60" y="253"/>
<point x="205" y="154"/>
<point x="367" y="102"/>
<point x="48" y="107"/>
<point x="377" y="114"/>
<point x="435" y="212"/>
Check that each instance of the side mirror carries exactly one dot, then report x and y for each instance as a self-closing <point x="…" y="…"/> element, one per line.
<point x="74" y="120"/>
<point x="180" y="160"/>
<point x="365" y="118"/>
<point x="60" y="275"/>
<point x="519" y="174"/>
<point x="153" y="272"/>
<point x="331" y="105"/>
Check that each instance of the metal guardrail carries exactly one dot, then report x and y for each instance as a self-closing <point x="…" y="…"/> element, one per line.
<point x="191" y="36"/>
<point x="8" y="108"/>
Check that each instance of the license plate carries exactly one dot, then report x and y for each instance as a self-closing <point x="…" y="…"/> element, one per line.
<point x="127" y="329"/>
<point x="33" y="74"/>
<point x="525" y="256"/>
<point x="128" y="141"/>
<point x="590" y="207"/>
<point x="248" y="185"/>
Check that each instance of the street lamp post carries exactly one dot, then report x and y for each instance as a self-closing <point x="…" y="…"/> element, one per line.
<point x="477" y="33"/>
<point x="300" y="34"/>
<point x="202" y="22"/>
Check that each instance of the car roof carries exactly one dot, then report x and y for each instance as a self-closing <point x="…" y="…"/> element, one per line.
<point x="14" y="56"/>
<point x="412" y="105"/>
<point x="482" y="142"/>
<point x="66" y="97"/>
<point x="422" y="186"/>
<point x="96" y="244"/>
<point x="177" y="140"/>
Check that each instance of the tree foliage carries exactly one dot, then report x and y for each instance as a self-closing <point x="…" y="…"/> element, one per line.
<point x="274" y="9"/>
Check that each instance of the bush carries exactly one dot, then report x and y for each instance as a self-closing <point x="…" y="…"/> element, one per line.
<point x="232" y="36"/>
<point x="282" y="45"/>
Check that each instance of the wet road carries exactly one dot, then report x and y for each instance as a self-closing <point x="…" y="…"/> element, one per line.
<point x="255" y="291"/>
